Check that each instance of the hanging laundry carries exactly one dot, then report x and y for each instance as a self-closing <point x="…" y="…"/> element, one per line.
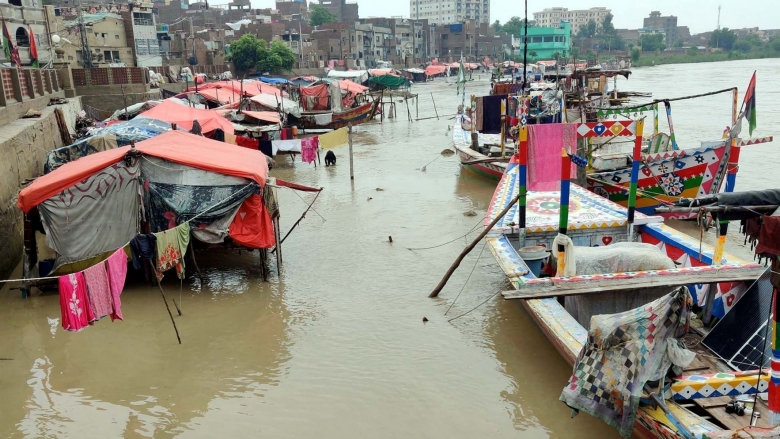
<point x="274" y="135"/>
<point x="334" y="139"/>
<point x="143" y="248"/>
<point x="246" y="142"/>
<point x="98" y="291"/>
<point x="491" y="122"/>
<point x="769" y="237"/>
<point x="309" y="147"/>
<point x="544" y="154"/>
<point x="479" y="113"/>
<point x="74" y="305"/>
<point x="266" y="146"/>
<point x="116" y="265"/>
<point x="171" y="248"/>
<point x="286" y="146"/>
<point x="218" y="135"/>
<point x="285" y="134"/>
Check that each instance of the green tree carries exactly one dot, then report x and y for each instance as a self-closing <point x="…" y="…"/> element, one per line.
<point x="244" y="53"/>
<point x="679" y="43"/>
<point x="692" y="51"/>
<point x="742" y="46"/>
<point x="275" y="59"/>
<point x="652" y="42"/>
<point x="588" y="31"/>
<point x="514" y="26"/>
<point x="608" y="36"/>
<point x="635" y="54"/>
<point x="723" y="38"/>
<point x="497" y="26"/>
<point x="320" y="16"/>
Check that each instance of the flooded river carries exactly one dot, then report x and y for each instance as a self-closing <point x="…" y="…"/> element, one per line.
<point x="335" y="346"/>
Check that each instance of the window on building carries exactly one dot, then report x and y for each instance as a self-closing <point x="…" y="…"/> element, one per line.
<point x="22" y="39"/>
<point x="548" y="39"/>
<point x="536" y="39"/>
<point x="116" y="36"/>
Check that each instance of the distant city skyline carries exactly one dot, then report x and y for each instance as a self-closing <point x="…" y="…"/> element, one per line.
<point x="698" y="15"/>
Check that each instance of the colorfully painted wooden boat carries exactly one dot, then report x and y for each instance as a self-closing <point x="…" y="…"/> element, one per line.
<point x="489" y="167"/>
<point x="596" y="221"/>
<point x="355" y="116"/>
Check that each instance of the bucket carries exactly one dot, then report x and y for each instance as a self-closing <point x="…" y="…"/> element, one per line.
<point x="534" y="257"/>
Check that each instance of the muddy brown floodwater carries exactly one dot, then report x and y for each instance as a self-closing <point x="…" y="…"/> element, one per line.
<point x="335" y="346"/>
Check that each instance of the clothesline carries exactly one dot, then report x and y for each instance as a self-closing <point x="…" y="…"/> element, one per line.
<point x="126" y="244"/>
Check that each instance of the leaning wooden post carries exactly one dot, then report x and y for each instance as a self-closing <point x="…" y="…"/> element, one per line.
<point x="154" y="273"/>
<point x="434" y="106"/>
<point x="774" y="381"/>
<point x="632" y="190"/>
<point x="471" y="246"/>
<point x="563" y="222"/>
<point x="351" y="168"/>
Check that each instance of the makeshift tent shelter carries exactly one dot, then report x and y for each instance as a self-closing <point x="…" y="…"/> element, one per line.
<point x="358" y="76"/>
<point x="382" y="72"/>
<point x="435" y="70"/>
<point x="264" y="116"/>
<point x="416" y="75"/>
<point x="90" y="207"/>
<point x="268" y="80"/>
<point x="315" y="97"/>
<point x="389" y="81"/>
<point x="277" y="103"/>
<point x="221" y="95"/>
<point x="303" y="81"/>
<point x="183" y="117"/>
<point x="103" y="141"/>
<point x="352" y="87"/>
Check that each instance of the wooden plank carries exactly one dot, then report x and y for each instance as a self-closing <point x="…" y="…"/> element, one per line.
<point x="634" y="283"/>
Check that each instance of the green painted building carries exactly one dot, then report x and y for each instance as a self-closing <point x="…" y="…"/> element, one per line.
<point x="546" y="41"/>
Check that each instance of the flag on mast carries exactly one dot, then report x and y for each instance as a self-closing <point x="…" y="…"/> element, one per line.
<point x="461" y="76"/>
<point x="750" y="104"/>
<point x="33" y="50"/>
<point x="11" y="52"/>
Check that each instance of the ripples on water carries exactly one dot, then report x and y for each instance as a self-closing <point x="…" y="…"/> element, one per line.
<point x="336" y="347"/>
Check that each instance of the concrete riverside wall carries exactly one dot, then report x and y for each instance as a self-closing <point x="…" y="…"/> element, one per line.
<point x="24" y="144"/>
<point x="109" y="98"/>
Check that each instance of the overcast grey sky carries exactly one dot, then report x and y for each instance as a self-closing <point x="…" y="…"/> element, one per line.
<point x="699" y="15"/>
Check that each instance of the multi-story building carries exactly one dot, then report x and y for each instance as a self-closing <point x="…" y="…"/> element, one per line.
<point x="450" y="11"/>
<point x="547" y="42"/>
<point x="140" y="27"/>
<point x="668" y="24"/>
<point x="343" y="11"/>
<point x="21" y="16"/>
<point x="551" y="17"/>
<point x="98" y="39"/>
<point x="409" y="42"/>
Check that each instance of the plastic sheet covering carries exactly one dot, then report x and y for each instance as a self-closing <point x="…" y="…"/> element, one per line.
<point x="175" y="193"/>
<point x="96" y="215"/>
<point x="84" y="147"/>
<point x="136" y="130"/>
<point x="319" y="96"/>
<point x="623" y="352"/>
<point x="616" y="258"/>
<point x="274" y="102"/>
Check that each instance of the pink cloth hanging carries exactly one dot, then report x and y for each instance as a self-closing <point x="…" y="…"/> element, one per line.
<point x="116" y="265"/>
<point x="309" y="147"/>
<point x="544" y="154"/>
<point x="98" y="291"/>
<point x="74" y="305"/>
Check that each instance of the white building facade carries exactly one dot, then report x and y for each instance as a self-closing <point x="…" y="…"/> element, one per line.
<point x="551" y="17"/>
<point x="450" y="11"/>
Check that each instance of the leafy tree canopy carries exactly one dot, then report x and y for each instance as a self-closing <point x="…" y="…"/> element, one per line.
<point x="248" y="52"/>
<point x="723" y="38"/>
<point x="320" y="16"/>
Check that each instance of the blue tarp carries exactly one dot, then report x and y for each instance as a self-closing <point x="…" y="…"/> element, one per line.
<point x="456" y="27"/>
<point x="274" y="80"/>
<point x="136" y="130"/>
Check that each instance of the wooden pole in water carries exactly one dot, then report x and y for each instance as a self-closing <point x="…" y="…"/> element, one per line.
<point x="351" y="167"/>
<point x="434" y="106"/>
<point x="303" y="215"/>
<point x="733" y="164"/>
<point x="278" y="238"/>
<point x="165" y="300"/>
<point x="471" y="246"/>
<point x="637" y="159"/>
<point x="563" y="222"/>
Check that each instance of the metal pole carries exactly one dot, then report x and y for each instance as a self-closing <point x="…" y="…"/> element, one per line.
<point x="563" y="222"/>
<point x="351" y="167"/>
<point x="634" y="177"/>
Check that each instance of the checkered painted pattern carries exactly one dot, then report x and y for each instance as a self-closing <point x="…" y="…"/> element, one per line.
<point x="607" y="128"/>
<point x="719" y="384"/>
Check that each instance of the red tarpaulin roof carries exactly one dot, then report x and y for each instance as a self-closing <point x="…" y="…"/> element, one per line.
<point x="171" y="112"/>
<point x="176" y="146"/>
<point x="266" y="116"/>
<point x="435" y="70"/>
<point x="224" y="95"/>
<point x="250" y="88"/>
<point x="352" y="87"/>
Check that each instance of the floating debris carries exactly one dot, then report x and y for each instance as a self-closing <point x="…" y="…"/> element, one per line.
<point x="447" y="152"/>
<point x="379" y="189"/>
<point x="425" y="319"/>
<point x="470" y="213"/>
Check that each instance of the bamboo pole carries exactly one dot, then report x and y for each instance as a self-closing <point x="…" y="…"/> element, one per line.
<point x="278" y="246"/>
<point x="470" y="247"/>
<point x="733" y="163"/>
<point x="165" y="300"/>
<point x="434" y="106"/>
<point x="671" y="125"/>
<point x="351" y="164"/>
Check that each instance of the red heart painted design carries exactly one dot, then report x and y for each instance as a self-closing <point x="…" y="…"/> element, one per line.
<point x="606" y="240"/>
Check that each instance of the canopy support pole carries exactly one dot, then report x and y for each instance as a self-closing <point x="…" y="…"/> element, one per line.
<point x="159" y="285"/>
